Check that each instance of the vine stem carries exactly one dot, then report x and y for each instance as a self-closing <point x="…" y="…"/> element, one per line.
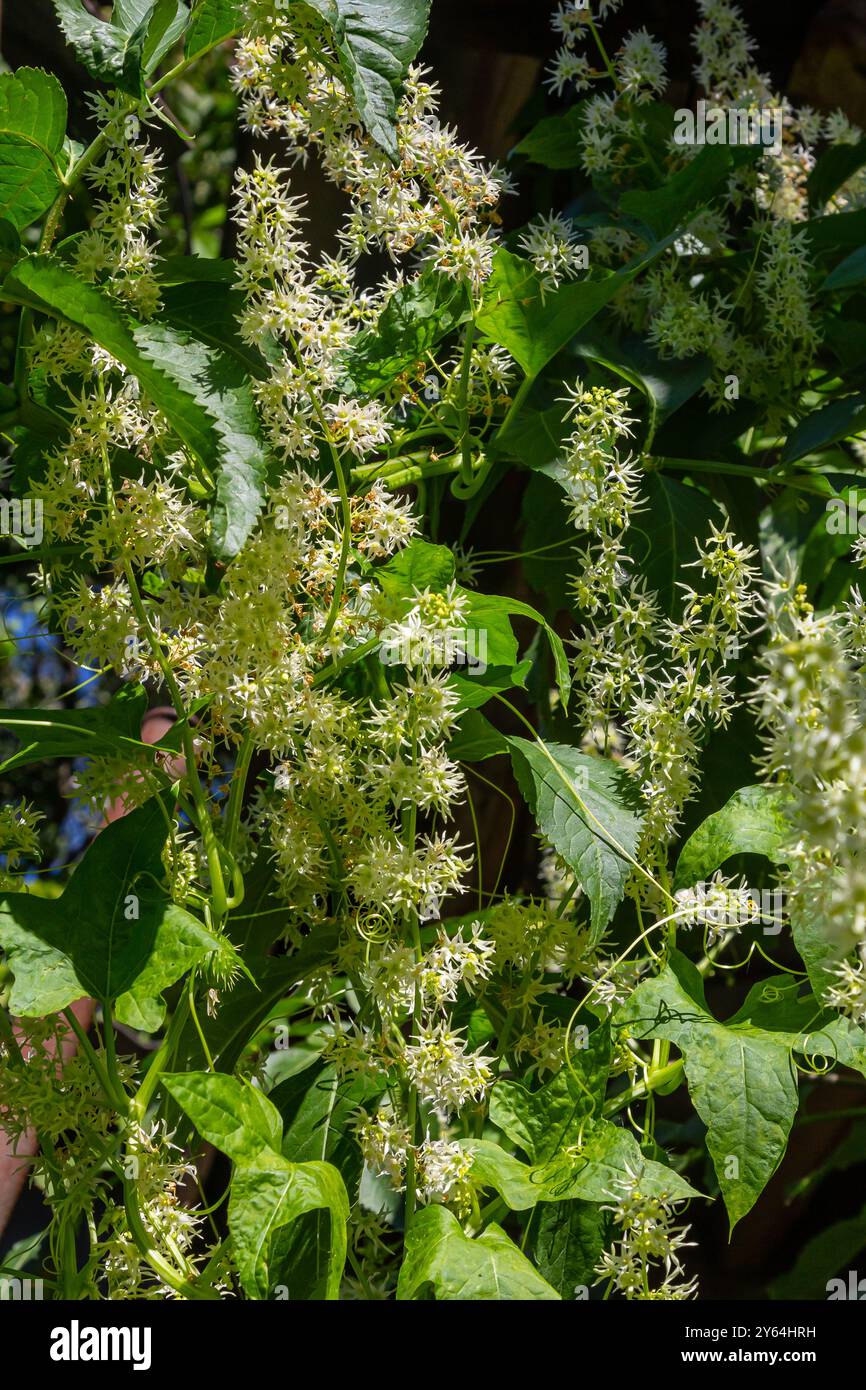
<point x="157" y="1261"/>
<point x="161" y="1059"/>
<point x="465" y="377"/>
<point x="106" y="1081"/>
<point x="520" y="395"/>
<point x="190" y="991"/>
<point x="345" y="543"/>
<point x="236" y="794"/>
<point x="602" y="51"/>
<point x="112" y="1084"/>
<point x="656" y="1079"/>
<point x="411" y="1170"/>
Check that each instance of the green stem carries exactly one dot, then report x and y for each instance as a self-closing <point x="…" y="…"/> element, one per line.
<point x="89" y="1051"/>
<point x="602" y="51"/>
<point x="642" y="1089"/>
<point x="236" y="795"/>
<point x="335" y="668"/>
<point x="463" y="410"/>
<point x="161" y="1059"/>
<point x="194" y="1016"/>
<point x="520" y="396"/>
<point x="157" y="1261"/>
<point x="410" y="821"/>
<point x="800" y="481"/>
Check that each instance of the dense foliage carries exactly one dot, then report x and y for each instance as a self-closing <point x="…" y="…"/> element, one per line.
<point x="258" y="490"/>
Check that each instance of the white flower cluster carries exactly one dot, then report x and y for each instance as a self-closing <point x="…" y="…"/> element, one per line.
<point x="19" y="837"/>
<point x="719" y="906"/>
<point x="443" y="1168"/>
<point x="158" y="1175"/>
<point x="551" y="244"/>
<point x="658" y="678"/>
<point x="645" y="1262"/>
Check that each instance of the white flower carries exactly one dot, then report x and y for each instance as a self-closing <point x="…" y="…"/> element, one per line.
<point x="551" y="246"/>
<point x="640" y="66"/>
<point x="442" y="1071"/>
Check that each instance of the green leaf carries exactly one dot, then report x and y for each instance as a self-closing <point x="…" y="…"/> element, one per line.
<point x="850" y="272"/>
<point x="532" y="326"/>
<point x="480" y="686"/>
<point x="590" y="1171"/>
<point x="233" y="1115"/>
<point x="10" y="251"/>
<point x="416" y="317"/>
<point x="271" y="1195"/>
<point x="202" y="389"/>
<point x="184" y="270"/>
<point x="60" y="733"/>
<point x="166" y="25"/>
<point x="243" y="1012"/>
<point x="181" y="942"/>
<point x="376" y="41"/>
<point x="670" y="208"/>
<point x="662" y="537"/>
<point x="489" y="634"/>
<point x="318" y="1110"/>
<point x="212" y="318"/>
<point x="420" y="566"/>
<point x="836" y="1037"/>
<point x="740" y="1074"/>
<point x="836" y="233"/>
<point x="218" y="385"/>
<point x="32" y="132"/>
<point x="590" y="810"/>
<point x="550" y="546"/>
<point x="608" y="1156"/>
<point x="555" y="140"/>
<point x="122" y="50"/>
<point x="667" y="385"/>
<point x="212" y="22"/>
<point x="545" y="1121"/>
<point x="752" y="822"/>
<point x="833" y="1252"/>
<point x="439" y="1256"/>
<point x="840" y="420"/>
<point x="520" y="1185"/>
<point x="107" y="929"/>
<point x="561" y="667"/>
<point x="568" y="1241"/>
<point x="536" y="437"/>
<point x="267" y="1192"/>
<point x="833" y="168"/>
<point x="823" y="944"/>
<point x="489" y="637"/>
<point x="476" y="739"/>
